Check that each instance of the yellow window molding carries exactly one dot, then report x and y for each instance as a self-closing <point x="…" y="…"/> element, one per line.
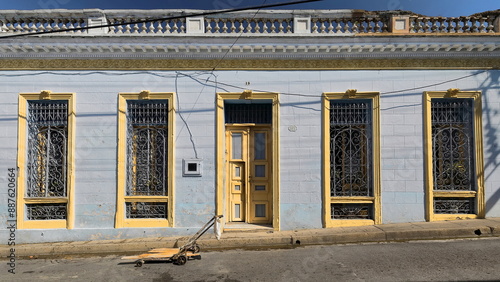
<point x="454" y="186"/>
<point x="221" y="181"/>
<point x="364" y="206"/>
<point x="46" y="194"/>
<point x="146" y="198"/>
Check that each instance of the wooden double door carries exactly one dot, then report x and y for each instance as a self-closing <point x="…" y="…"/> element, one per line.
<point x="249" y="190"/>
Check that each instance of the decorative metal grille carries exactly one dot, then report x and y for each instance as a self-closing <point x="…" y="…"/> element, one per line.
<point x="248" y="113"/>
<point x="47" y="148"/>
<point x="454" y="205"/>
<point x="453" y="144"/>
<point x="352" y="211"/>
<point x="351" y="148"/>
<point x="147" y="148"/>
<point x="46" y="211"/>
<point x="146" y="210"/>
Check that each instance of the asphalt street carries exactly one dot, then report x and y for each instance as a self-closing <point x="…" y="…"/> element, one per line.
<point x="451" y="260"/>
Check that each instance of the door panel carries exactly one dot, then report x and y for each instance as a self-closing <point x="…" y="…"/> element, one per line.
<point x="237" y="141"/>
<point x="250" y="192"/>
<point x="237" y="195"/>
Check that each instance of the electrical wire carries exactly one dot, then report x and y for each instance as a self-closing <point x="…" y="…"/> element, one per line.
<point x="163" y="19"/>
<point x="194" y="104"/>
<point x="217" y="83"/>
<point x="183" y="119"/>
<point x="195" y="76"/>
<point x="382" y="93"/>
<point x="434" y="84"/>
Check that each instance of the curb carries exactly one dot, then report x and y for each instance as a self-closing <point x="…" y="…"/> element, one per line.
<point x="266" y="240"/>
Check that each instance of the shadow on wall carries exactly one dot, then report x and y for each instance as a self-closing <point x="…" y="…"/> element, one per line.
<point x="491" y="85"/>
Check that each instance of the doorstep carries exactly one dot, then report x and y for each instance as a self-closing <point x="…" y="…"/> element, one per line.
<point x="247" y="227"/>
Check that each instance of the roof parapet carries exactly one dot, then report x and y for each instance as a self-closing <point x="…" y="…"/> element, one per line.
<point x="266" y="22"/>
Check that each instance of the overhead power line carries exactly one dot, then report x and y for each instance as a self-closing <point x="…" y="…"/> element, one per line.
<point x="215" y="83"/>
<point x="164" y="19"/>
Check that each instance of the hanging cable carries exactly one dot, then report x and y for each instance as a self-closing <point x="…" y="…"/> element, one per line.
<point x="182" y="117"/>
<point x="434" y="84"/>
<point x="382" y="93"/>
<point x="217" y="83"/>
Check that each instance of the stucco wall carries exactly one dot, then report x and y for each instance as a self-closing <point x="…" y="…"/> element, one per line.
<point x="300" y="140"/>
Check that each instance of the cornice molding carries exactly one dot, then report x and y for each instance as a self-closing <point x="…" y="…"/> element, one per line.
<point x="256" y="51"/>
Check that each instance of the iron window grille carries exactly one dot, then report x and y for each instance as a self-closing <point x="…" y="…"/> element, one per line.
<point x="47" y="157"/>
<point x="453" y="162"/>
<point x="453" y="144"/>
<point x="147" y="156"/>
<point x="351" y="148"/>
<point x="449" y="205"/>
<point x="260" y="113"/>
<point x="352" y="211"/>
<point x="146" y="210"/>
<point x="46" y="211"/>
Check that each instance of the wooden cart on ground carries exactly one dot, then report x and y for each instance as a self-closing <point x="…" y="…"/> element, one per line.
<point x="176" y="255"/>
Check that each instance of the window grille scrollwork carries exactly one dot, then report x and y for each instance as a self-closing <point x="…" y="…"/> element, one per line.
<point x="453" y="144"/>
<point x="47" y="149"/>
<point x="146" y="210"/>
<point x="147" y="158"/>
<point x="352" y="211"/>
<point x="454" y="205"/>
<point x="351" y="148"/>
<point x="46" y="211"/>
<point x="147" y="148"/>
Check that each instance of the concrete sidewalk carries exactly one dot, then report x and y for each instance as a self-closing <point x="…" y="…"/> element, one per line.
<point x="473" y="228"/>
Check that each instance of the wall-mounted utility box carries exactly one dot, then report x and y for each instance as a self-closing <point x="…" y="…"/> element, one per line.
<point x="191" y="167"/>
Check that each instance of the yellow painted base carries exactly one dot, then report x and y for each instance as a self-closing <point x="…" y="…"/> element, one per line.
<point x="349" y="222"/>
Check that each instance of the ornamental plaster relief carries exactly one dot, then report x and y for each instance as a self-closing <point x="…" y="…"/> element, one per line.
<point x="116" y="50"/>
<point x="246" y="64"/>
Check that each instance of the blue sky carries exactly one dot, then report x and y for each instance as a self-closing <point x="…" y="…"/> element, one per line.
<point x="448" y="8"/>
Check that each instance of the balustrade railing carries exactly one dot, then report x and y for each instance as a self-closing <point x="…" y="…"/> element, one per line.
<point x="266" y="22"/>
<point x="349" y="25"/>
<point x="249" y="25"/>
<point x="154" y="27"/>
<point x="20" y="25"/>
<point x="452" y="25"/>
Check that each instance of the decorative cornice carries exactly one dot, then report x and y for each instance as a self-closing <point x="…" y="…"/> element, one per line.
<point x="285" y="39"/>
<point x="247" y="64"/>
<point x="281" y="51"/>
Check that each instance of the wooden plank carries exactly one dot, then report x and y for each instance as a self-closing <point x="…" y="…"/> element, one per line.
<point x="160" y="253"/>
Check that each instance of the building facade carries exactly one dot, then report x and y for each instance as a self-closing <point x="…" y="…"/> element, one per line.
<point x="129" y="124"/>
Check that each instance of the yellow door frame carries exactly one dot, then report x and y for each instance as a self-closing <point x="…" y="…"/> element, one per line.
<point x="221" y="177"/>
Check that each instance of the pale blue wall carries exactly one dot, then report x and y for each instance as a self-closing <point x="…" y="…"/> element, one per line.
<point x="300" y="150"/>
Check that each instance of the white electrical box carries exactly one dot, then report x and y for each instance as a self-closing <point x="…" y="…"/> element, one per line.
<point x="191" y="167"/>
